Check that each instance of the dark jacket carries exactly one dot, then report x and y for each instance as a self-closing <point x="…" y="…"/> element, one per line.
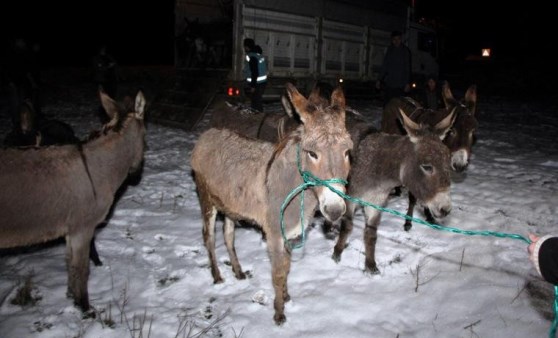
<point x="396" y="69"/>
<point x="430" y="99"/>
<point x="545" y="258"/>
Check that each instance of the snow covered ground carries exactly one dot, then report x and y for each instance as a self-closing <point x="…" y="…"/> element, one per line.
<point x="156" y="282"/>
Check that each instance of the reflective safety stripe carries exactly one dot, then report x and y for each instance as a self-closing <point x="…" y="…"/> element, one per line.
<point x="260" y="78"/>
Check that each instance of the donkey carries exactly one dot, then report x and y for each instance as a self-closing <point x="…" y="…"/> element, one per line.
<point x="459" y="139"/>
<point x="272" y="126"/>
<point x="34" y="130"/>
<point x="268" y="126"/>
<point x="37" y="131"/>
<point x="418" y="161"/>
<point x="81" y="181"/>
<point x="247" y="179"/>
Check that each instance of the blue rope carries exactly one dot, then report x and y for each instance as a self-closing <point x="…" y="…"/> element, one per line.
<point x="310" y="180"/>
<point x="552" y="332"/>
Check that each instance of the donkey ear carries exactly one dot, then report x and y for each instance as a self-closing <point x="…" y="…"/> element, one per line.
<point x="139" y="106"/>
<point x="338" y="98"/>
<point x="471" y="99"/>
<point x="338" y="101"/>
<point x="111" y="108"/>
<point x="299" y="102"/>
<point x="26" y="117"/>
<point x="442" y="127"/>
<point x="287" y="106"/>
<point x="410" y="126"/>
<point x="447" y="96"/>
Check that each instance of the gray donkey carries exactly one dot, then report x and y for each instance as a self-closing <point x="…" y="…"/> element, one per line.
<point x="248" y="179"/>
<point x="418" y="161"/>
<point x="80" y="182"/>
<point x="459" y="139"/>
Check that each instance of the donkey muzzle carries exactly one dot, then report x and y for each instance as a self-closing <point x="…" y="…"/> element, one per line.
<point x="332" y="206"/>
<point x="459" y="160"/>
<point x="440" y="205"/>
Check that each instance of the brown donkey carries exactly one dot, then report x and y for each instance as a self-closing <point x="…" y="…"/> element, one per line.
<point x="418" y="161"/>
<point x="461" y="136"/>
<point x="459" y="139"/>
<point x="80" y="182"/>
<point x="248" y="179"/>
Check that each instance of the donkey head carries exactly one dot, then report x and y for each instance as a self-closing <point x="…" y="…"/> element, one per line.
<point x="325" y="145"/>
<point x="426" y="171"/>
<point x="461" y="136"/>
<point x="133" y="123"/>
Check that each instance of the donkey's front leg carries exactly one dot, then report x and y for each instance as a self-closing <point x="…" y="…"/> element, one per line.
<point x="280" y="267"/>
<point x="372" y="219"/>
<point x="344" y="232"/>
<point x="412" y="202"/>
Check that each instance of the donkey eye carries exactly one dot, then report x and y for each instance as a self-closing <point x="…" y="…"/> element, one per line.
<point x="427" y="168"/>
<point x="312" y="155"/>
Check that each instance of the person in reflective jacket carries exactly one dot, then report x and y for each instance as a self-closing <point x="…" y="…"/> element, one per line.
<point x="255" y="73"/>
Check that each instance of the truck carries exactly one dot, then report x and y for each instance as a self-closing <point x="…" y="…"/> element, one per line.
<point x="304" y="41"/>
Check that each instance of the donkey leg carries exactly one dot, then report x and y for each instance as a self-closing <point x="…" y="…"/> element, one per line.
<point x="280" y="267"/>
<point x="93" y="254"/>
<point x="228" y="230"/>
<point x="345" y="230"/>
<point x="77" y="260"/>
<point x="373" y="217"/>
<point x="429" y="217"/>
<point x="209" y="217"/>
<point x="412" y="202"/>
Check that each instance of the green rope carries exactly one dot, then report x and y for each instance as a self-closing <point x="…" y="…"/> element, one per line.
<point x="552" y="332"/>
<point x="310" y="180"/>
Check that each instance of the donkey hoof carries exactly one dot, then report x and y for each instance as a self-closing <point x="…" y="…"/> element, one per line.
<point x="218" y="280"/>
<point x="372" y="270"/>
<point x="336" y="257"/>
<point x="280" y="319"/>
<point x="89" y="314"/>
<point x="240" y="275"/>
<point x="407" y="226"/>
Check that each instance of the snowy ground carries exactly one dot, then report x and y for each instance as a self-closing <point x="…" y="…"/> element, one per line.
<point x="155" y="281"/>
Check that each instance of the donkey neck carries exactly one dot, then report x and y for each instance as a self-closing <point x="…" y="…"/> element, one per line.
<point x="384" y="156"/>
<point x="109" y="157"/>
<point x="283" y="176"/>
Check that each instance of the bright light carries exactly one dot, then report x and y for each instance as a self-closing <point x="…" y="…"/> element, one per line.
<point x="485" y="52"/>
<point x="340" y="80"/>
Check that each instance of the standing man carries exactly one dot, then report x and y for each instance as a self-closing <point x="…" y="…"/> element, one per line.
<point x="255" y="73"/>
<point x="396" y="69"/>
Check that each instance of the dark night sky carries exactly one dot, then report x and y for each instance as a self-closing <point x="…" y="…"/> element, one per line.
<point x="71" y="32"/>
<point x="510" y="28"/>
<point x="138" y="33"/>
